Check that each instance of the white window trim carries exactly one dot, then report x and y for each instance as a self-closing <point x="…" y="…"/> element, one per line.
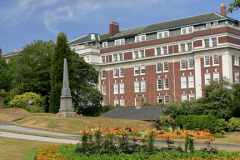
<point x="104" y="93"/>
<point x="218" y="75"/>
<point x="189" y="63"/>
<point x="122" y="100"/>
<point x="182" y="82"/>
<point x="116" y="100"/>
<point x="185" y="47"/>
<point x="102" y="59"/>
<point x="115" y="88"/>
<point x="208" y="24"/>
<point x="136" y="90"/>
<point x="156" y="54"/>
<point x="207" y="80"/>
<point x="236" y="76"/>
<point x="216" y="23"/>
<point x="213" y="60"/>
<point x="164" y="67"/>
<point x="106" y="44"/>
<point x="165" y="84"/>
<point x="165" y="99"/>
<point x="182" y="97"/>
<point x="210" y="42"/>
<point x="157" y="68"/>
<point x="187" y="30"/>
<point x="120" y="40"/>
<point x="122" y="83"/>
<point x="143" y="82"/>
<point x="115" y="69"/>
<point x="161" y="84"/>
<point x="236" y="60"/>
<point x="191" y="95"/>
<point x="135" y="70"/>
<point x="103" y="74"/>
<point x="163" y="35"/>
<point x="141" y="67"/>
<point x="162" y="51"/>
<point x="205" y="61"/>
<point x="140" y="38"/>
<point x="113" y="56"/>
<point x="120" y="72"/>
<point x="122" y="56"/>
<point x="181" y="67"/>
<point x="189" y="81"/>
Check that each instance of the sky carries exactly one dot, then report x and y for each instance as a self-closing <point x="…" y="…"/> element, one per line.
<point x="23" y="21"/>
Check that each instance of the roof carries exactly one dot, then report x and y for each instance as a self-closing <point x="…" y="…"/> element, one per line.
<point x="12" y="53"/>
<point x="146" y="113"/>
<point x="177" y="23"/>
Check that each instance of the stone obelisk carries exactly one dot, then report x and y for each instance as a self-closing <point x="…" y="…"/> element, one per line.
<point x="66" y="98"/>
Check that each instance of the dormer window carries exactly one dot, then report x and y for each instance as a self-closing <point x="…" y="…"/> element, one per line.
<point x="215" y="23"/>
<point x="187" y="30"/>
<point x="140" y="38"/>
<point x="208" y="24"/>
<point x="119" y="42"/>
<point x="163" y="34"/>
<point x="104" y="44"/>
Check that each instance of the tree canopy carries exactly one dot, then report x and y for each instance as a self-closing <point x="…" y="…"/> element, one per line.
<point x="234" y="6"/>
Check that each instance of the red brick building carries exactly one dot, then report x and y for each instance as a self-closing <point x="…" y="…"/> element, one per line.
<point x="164" y="62"/>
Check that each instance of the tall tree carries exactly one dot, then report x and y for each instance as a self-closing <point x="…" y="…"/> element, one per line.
<point x="234" y="6"/>
<point x="4" y="78"/>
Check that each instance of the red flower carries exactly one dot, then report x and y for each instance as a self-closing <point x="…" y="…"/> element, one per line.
<point x="209" y="142"/>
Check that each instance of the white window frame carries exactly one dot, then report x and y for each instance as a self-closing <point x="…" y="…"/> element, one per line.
<point x="216" y="76"/>
<point x="115" y="57"/>
<point x="104" y="102"/>
<point x="116" y="102"/>
<point x="121" y="72"/>
<point x="165" y="50"/>
<point x="119" y="42"/>
<point x="205" y="61"/>
<point x="104" y="89"/>
<point x="164" y="67"/>
<point x="157" y="67"/>
<point x="184" y="97"/>
<point x="189" y="63"/>
<point x="136" y="54"/>
<point x="136" y="69"/>
<point x="159" y="84"/>
<point x="136" y="86"/>
<point x="103" y="59"/>
<point x="216" y="23"/>
<point x="115" y="73"/>
<point x="160" y="97"/>
<point x="236" y="76"/>
<point x="140" y="38"/>
<point x="191" y="95"/>
<point x="166" y="98"/>
<point x="140" y="53"/>
<point x="103" y="74"/>
<point x="166" y="86"/>
<point x="163" y="33"/>
<point x="142" y="70"/>
<point x="189" y="48"/>
<point x="121" y="86"/>
<point x="191" y="81"/>
<point x="236" y="60"/>
<point x="183" y="47"/>
<point x="207" y="81"/>
<point x="121" y="58"/>
<point x="214" y="43"/>
<point x="143" y="86"/>
<point x="104" y="44"/>
<point x="187" y="30"/>
<point x="183" y="82"/>
<point x="213" y="60"/>
<point x="206" y="43"/>
<point x="122" y="102"/>
<point x="183" y="64"/>
<point x="160" y="49"/>
<point x="115" y="88"/>
<point x="208" y="24"/>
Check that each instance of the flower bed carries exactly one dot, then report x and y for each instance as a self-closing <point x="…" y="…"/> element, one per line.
<point x="49" y="152"/>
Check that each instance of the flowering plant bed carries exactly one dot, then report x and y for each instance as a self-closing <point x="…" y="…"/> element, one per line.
<point x="66" y="115"/>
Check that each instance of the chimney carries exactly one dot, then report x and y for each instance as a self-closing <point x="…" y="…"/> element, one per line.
<point x="113" y="28"/>
<point x="223" y="9"/>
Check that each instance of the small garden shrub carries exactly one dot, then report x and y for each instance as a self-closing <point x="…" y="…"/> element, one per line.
<point x="107" y="108"/>
<point x="234" y="124"/>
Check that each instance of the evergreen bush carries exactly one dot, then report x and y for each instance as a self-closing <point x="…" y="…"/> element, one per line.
<point x="234" y="124"/>
<point x="55" y="98"/>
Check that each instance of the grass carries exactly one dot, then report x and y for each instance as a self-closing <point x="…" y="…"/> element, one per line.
<point x="19" y="149"/>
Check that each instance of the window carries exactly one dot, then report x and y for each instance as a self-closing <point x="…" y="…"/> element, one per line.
<point x="116" y="102"/>
<point x="104" y="102"/>
<point x="135" y="54"/>
<point x="160" y="99"/>
<point x="121" y="72"/>
<point x="191" y="81"/>
<point x="206" y="41"/>
<point x="115" y="86"/>
<point x="187" y="30"/>
<point x="159" y="67"/>
<point x="165" y="51"/>
<point x="191" y="97"/>
<point x="136" y="86"/>
<point x="119" y="42"/>
<point x="236" y="76"/>
<point x="183" y="64"/>
<point x="208" y="24"/>
<point x="215" y="23"/>
<point x="103" y="59"/>
<point x="142" y="54"/>
<point x="121" y="88"/>
<point x="184" y="97"/>
<point x="207" y="78"/>
<point x="140" y="38"/>
<point x="104" y="44"/>
<point x="104" y="89"/>
<point x="206" y="61"/>
<point x="166" y="99"/>
<point x="159" y="84"/>
<point x="120" y="56"/>
<point x="143" y="86"/>
<point x="136" y="70"/>
<point x="142" y="69"/>
<point x="216" y="76"/>
<point x="115" y="73"/>
<point x="115" y="56"/>
<point x="165" y="66"/>
<point x="236" y="63"/>
<point x="122" y="102"/>
<point x="215" y="60"/>
<point x="190" y="63"/>
<point x="103" y="74"/>
<point x="182" y="47"/>
<point x="166" y="83"/>
<point x="183" y="82"/>
<point x="162" y="34"/>
<point x="214" y="42"/>
<point x="158" y="50"/>
<point x="189" y="46"/>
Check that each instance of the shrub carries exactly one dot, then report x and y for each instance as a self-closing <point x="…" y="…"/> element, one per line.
<point x="234" y="124"/>
<point x="22" y="101"/>
<point x="192" y="121"/>
<point x="55" y="98"/>
<point x="107" y="108"/>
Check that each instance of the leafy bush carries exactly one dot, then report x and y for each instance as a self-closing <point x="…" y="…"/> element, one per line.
<point x="55" y="98"/>
<point x="22" y="101"/>
<point x="147" y="104"/>
<point x="192" y="121"/>
<point x="234" y="124"/>
<point x="107" y="108"/>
